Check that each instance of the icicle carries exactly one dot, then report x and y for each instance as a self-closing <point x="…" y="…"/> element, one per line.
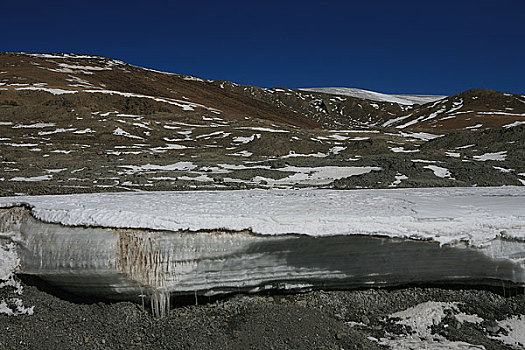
<point x="160" y="303"/>
<point x="141" y="259"/>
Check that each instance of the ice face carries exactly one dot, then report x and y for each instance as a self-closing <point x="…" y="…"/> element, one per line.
<point x="230" y="250"/>
<point x="125" y="264"/>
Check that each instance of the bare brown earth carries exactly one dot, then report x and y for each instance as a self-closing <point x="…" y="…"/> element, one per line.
<point x="102" y="73"/>
<point x="71" y="124"/>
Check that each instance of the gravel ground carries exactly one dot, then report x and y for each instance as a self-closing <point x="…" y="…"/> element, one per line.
<point x="311" y="320"/>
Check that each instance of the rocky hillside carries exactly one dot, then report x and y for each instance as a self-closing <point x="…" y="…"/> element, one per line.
<point x="89" y="80"/>
<point x="76" y="123"/>
<point x="469" y="110"/>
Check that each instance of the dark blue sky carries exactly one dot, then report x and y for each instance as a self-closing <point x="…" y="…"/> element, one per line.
<point x="400" y="46"/>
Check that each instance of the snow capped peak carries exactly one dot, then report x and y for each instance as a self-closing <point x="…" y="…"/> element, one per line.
<point x="377" y="96"/>
<point x="59" y="55"/>
<point x="72" y="56"/>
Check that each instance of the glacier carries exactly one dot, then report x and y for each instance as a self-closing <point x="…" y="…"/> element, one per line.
<point x="157" y="246"/>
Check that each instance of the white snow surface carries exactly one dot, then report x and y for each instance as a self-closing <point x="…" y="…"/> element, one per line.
<point x="9" y="262"/>
<point x="497" y="156"/>
<point x="422" y="316"/>
<point x="323" y="175"/>
<point x="515" y="327"/>
<point x="32" y="179"/>
<point x="425" y="136"/>
<point x="440" y="171"/>
<point x="446" y="215"/>
<point x="49" y="90"/>
<point x="511" y="125"/>
<point x="179" y="166"/>
<point x="377" y="96"/>
<point x="185" y="105"/>
<point x="33" y="126"/>
<point x="17" y="307"/>
<point x="420" y="320"/>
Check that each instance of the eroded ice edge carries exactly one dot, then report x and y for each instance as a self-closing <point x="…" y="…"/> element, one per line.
<point x="159" y="245"/>
<point x="444" y="215"/>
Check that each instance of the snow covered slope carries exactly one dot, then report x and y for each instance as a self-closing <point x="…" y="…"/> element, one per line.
<point x="377" y="96"/>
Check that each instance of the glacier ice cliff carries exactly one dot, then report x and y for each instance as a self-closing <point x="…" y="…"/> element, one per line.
<point x="137" y="262"/>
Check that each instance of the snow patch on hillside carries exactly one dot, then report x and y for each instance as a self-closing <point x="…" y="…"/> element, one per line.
<point x="497" y="156"/>
<point x="185" y="105"/>
<point x="440" y="171"/>
<point x="515" y="331"/>
<point x="419" y="320"/>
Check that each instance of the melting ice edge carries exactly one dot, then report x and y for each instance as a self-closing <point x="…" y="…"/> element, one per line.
<point x="130" y="263"/>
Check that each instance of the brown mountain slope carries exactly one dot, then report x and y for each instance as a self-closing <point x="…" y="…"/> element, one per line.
<point x="91" y="76"/>
<point x="82" y="80"/>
